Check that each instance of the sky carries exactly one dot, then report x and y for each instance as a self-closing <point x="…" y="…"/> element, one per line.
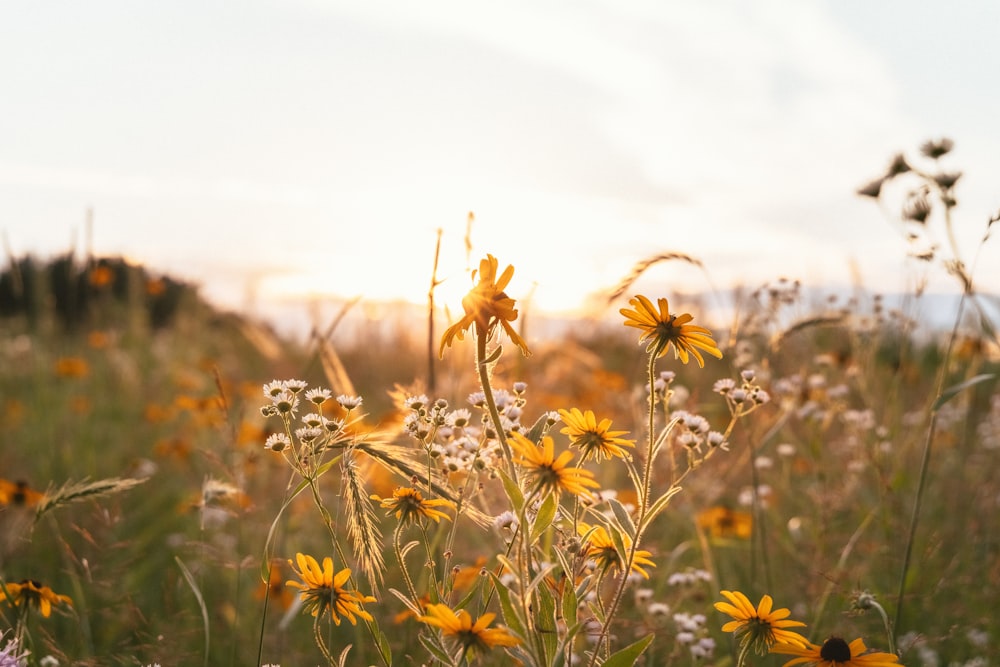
<point x="286" y="151"/>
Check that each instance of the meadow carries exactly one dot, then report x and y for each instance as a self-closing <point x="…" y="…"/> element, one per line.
<point x="173" y="478"/>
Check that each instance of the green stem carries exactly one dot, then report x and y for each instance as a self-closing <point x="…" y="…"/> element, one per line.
<point x="482" y="368"/>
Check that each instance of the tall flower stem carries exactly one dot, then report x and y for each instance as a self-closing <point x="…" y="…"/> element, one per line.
<point x="646" y="483"/>
<point x="483" y="369"/>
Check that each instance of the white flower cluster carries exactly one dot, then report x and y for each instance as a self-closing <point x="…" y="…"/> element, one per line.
<point x="453" y="438"/>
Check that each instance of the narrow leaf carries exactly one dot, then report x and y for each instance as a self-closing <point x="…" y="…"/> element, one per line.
<point x="628" y="655"/>
<point x="954" y="390"/>
<point x="623" y="517"/>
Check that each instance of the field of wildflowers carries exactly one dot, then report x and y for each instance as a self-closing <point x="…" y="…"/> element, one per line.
<point x="812" y="483"/>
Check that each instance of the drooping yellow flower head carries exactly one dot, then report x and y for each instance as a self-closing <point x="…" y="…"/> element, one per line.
<point x="595" y="439"/>
<point x="323" y="589"/>
<point x="485" y="306"/>
<point x="836" y="652"/>
<point x="470" y="635"/>
<point x="761" y="626"/>
<point x="665" y="330"/>
<point x="410" y="505"/>
<point x="551" y="474"/>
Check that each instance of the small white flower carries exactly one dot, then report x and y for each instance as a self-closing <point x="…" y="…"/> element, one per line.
<point x="295" y="386"/>
<point x="349" y="402"/>
<point x="318" y="396"/>
<point x="276" y="442"/>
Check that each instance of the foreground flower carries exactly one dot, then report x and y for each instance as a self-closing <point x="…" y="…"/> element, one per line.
<point x="836" y="652"/>
<point x="760" y="627"/>
<point x="551" y="474"/>
<point x="664" y="330"/>
<point x="11" y="654"/>
<point x="600" y="547"/>
<point x="471" y="635"/>
<point x="33" y="593"/>
<point x="595" y="440"/>
<point x="409" y="505"/>
<point x="486" y="305"/>
<point x="323" y="590"/>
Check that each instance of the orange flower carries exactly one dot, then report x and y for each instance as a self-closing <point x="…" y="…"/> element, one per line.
<point x="71" y="367"/>
<point x="18" y="493"/>
<point x="723" y="522"/>
<point x="470" y="635"/>
<point x="665" y="330"/>
<point x="551" y="474"/>
<point x="33" y="593"/>
<point x="487" y="305"/>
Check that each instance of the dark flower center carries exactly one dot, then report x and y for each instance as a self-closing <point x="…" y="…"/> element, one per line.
<point x="835" y="649"/>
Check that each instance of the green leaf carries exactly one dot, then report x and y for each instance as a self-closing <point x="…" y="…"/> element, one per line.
<point x="954" y="390"/>
<point x="623" y="517"/>
<point x="537" y="429"/>
<point x="628" y="655"/>
<point x="543" y="519"/>
<point x="342" y="660"/>
<point x="658" y="506"/>
<point x="511" y="615"/>
<point x="546" y="622"/>
<point x="512" y="490"/>
<point x="435" y="650"/>
<point x="193" y="585"/>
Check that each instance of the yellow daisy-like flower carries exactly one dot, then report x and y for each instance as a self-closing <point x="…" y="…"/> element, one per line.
<point x="664" y="330"/>
<point x="601" y="548"/>
<point x="471" y="635"/>
<point x="723" y="522"/>
<point x="761" y="626"/>
<point x="487" y="305"/>
<point x="322" y="589"/>
<point x="595" y="440"/>
<point x="551" y="474"/>
<point x="836" y="652"/>
<point x="33" y="593"/>
<point x="409" y="505"/>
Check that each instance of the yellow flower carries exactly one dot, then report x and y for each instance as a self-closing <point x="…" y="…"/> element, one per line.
<point x="665" y="330"/>
<point x="486" y="305"/>
<point x="595" y="440"/>
<point x="601" y="548"/>
<point x="835" y="652"/>
<point x="31" y="592"/>
<point x="551" y="474"/>
<point x="322" y="590"/>
<point x="471" y="635"/>
<point x="410" y="505"/>
<point x="721" y="521"/>
<point x="762" y="626"/>
<point x="18" y="493"/>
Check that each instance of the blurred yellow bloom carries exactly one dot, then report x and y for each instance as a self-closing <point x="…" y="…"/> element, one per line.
<point x="471" y="635"/>
<point x="664" y="330"/>
<point x="723" y="522"/>
<point x="551" y="474"/>
<point x="33" y="593"/>
<point x="761" y="626"/>
<point x="71" y="367"/>
<point x="601" y="548"/>
<point x="409" y="505"/>
<point x="596" y="440"/>
<point x="836" y="652"/>
<point x="323" y="590"/>
<point x="487" y="305"/>
<point x="18" y="493"/>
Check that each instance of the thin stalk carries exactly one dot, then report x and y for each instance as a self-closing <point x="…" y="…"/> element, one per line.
<point x="925" y="464"/>
<point x="482" y="368"/>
